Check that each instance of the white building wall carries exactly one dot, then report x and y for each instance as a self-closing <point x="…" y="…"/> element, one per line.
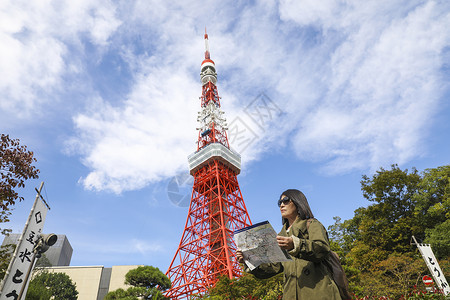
<point x="118" y="277"/>
<point x="87" y="279"/>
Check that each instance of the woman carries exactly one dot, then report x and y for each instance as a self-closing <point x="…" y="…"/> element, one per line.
<point x="306" y="240"/>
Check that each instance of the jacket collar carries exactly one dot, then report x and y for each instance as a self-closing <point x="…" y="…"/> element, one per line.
<point x="298" y="223"/>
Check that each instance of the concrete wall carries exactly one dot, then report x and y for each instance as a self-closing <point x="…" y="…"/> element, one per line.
<point x="118" y="277"/>
<point x="87" y="279"/>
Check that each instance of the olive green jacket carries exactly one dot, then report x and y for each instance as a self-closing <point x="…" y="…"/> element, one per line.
<point x="305" y="276"/>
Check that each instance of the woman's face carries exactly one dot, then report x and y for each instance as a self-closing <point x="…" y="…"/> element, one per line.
<point x="288" y="210"/>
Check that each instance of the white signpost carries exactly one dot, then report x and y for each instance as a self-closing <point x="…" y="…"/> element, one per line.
<point x="17" y="275"/>
<point x="433" y="266"/>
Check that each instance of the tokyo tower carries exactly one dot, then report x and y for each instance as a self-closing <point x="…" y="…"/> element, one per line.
<point x="207" y="250"/>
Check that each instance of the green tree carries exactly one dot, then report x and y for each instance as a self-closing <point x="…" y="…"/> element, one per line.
<point x="398" y="273"/>
<point x="48" y="285"/>
<point x="6" y="252"/>
<point x="439" y="238"/>
<point x="146" y="283"/>
<point x="43" y="262"/>
<point x="389" y="224"/>
<point x="385" y="226"/>
<point x="38" y="292"/>
<point x="433" y="196"/>
<point x="382" y="231"/>
<point x="375" y="244"/>
<point x="433" y="209"/>
<point x="246" y="287"/>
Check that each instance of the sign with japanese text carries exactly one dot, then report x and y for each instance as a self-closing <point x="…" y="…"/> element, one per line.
<point x="15" y="279"/>
<point x="433" y="266"/>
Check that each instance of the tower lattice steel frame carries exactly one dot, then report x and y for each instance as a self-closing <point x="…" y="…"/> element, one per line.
<point x="207" y="250"/>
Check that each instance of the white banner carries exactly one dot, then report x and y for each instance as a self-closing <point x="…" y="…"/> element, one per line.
<point x="22" y="259"/>
<point x="433" y="266"/>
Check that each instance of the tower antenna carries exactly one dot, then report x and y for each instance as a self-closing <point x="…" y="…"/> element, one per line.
<point x="207" y="55"/>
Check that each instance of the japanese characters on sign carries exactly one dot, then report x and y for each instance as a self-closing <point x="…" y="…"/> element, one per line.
<point x="23" y="255"/>
<point x="433" y="266"/>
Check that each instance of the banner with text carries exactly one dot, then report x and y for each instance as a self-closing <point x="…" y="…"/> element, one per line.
<point x="23" y="256"/>
<point x="433" y="266"/>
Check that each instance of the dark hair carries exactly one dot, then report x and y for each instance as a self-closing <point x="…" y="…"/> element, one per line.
<point x="300" y="201"/>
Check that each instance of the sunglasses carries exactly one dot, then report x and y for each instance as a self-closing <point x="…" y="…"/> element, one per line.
<point x="285" y="201"/>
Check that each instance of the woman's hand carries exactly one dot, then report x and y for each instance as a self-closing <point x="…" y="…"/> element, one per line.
<point x="285" y="242"/>
<point x="240" y="257"/>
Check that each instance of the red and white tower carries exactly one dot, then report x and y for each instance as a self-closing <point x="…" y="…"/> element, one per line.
<point x="207" y="249"/>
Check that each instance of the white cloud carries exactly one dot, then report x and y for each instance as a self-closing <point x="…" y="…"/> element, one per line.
<point x="34" y="49"/>
<point x="144" y="247"/>
<point x="144" y="140"/>
<point x="383" y="88"/>
<point x="358" y="82"/>
<point x="24" y="73"/>
<point x="310" y="12"/>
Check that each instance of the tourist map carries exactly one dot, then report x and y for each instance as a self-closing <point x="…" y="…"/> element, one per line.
<point x="258" y="244"/>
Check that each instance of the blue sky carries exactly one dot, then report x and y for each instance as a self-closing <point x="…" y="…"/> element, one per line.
<point x="106" y="94"/>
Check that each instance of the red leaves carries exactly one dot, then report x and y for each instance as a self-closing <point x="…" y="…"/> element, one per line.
<point x="15" y="168"/>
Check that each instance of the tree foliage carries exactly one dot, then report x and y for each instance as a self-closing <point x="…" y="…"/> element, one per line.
<point x="397" y="274"/>
<point x="389" y="224"/>
<point x="246" y="287"/>
<point x="433" y="209"/>
<point x="6" y="252"/>
<point x="378" y="256"/>
<point x="43" y="262"/>
<point x="48" y="285"/>
<point x="146" y="283"/>
<point x="433" y="197"/>
<point x="16" y="166"/>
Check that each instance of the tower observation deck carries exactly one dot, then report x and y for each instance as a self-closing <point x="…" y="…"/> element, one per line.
<point x="207" y="250"/>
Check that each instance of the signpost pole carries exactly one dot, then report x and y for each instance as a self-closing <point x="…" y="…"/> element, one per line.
<point x="24" y="256"/>
<point x="433" y="266"/>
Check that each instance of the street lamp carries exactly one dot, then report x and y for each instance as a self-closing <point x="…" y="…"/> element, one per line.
<point x="44" y="242"/>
